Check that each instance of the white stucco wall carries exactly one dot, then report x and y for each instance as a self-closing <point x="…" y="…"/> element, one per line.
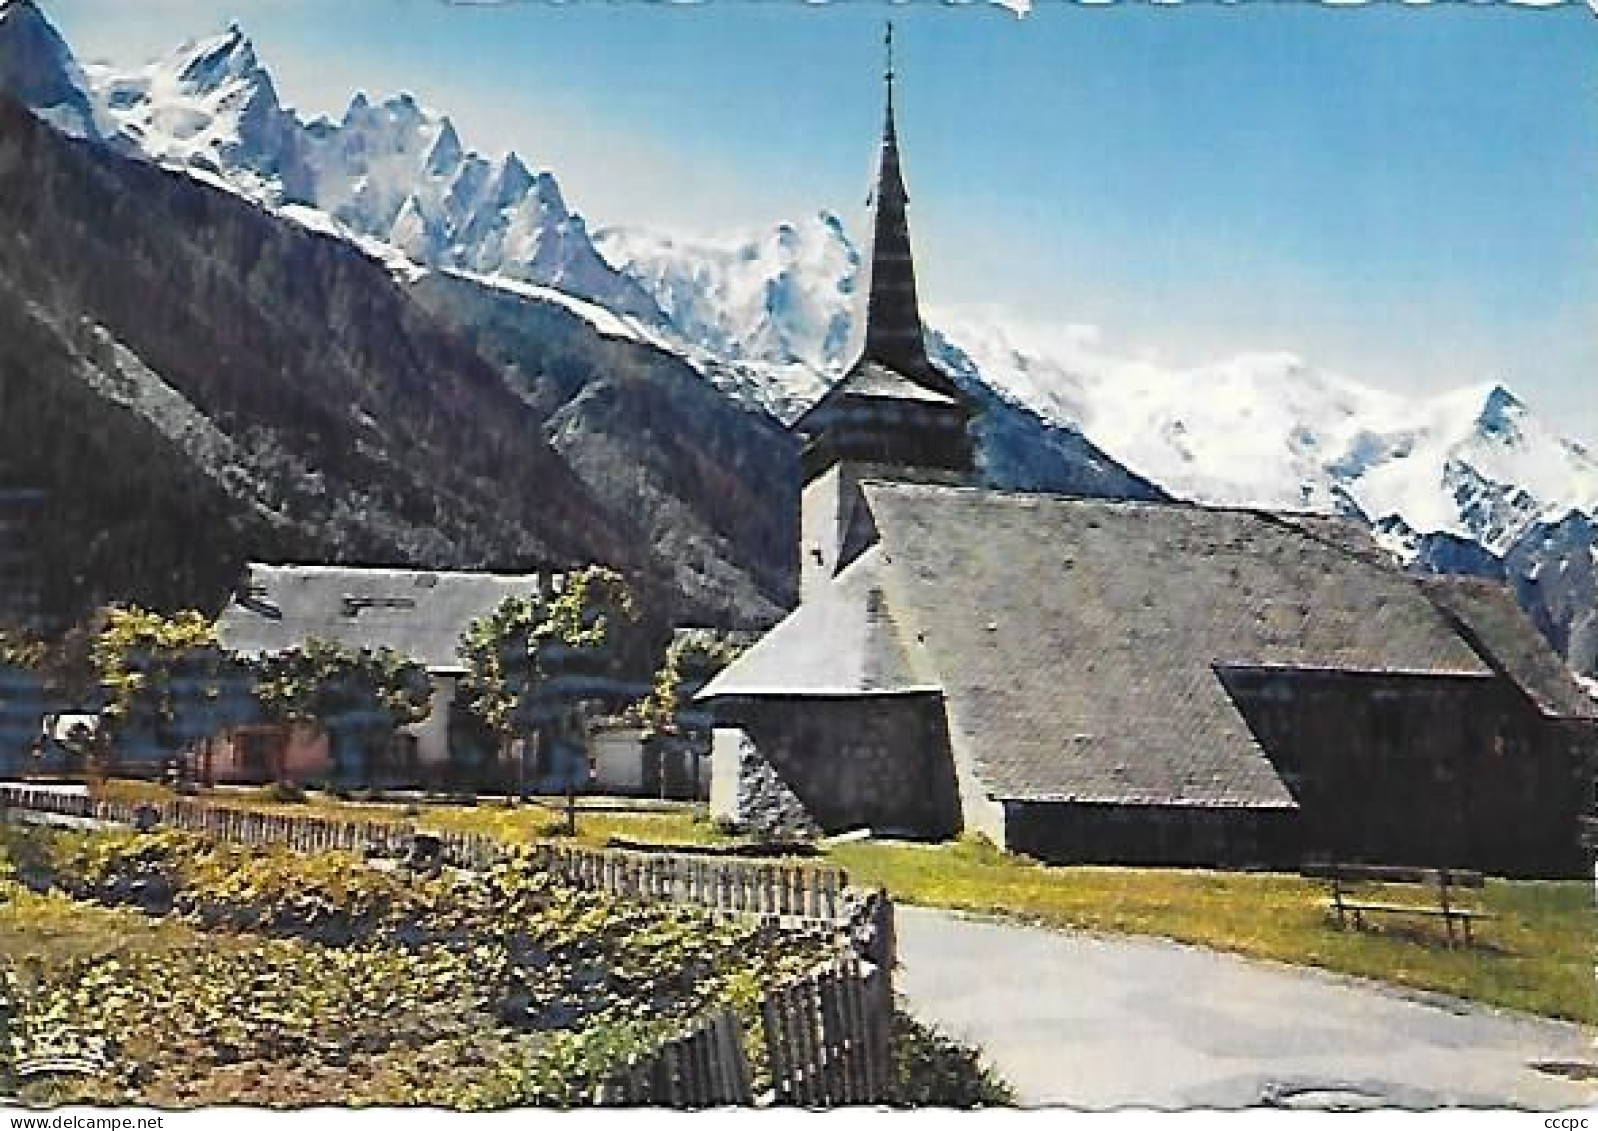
<point x="432" y="733"/>
<point x="726" y="746"/>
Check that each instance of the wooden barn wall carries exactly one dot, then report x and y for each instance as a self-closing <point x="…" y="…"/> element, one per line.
<point x="1174" y="835"/>
<point x="1438" y="771"/>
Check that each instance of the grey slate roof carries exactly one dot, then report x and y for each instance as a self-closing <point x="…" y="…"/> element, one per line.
<point x="1347" y="535"/>
<point x="844" y="642"/>
<point x="1494" y="624"/>
<point x="1077" y="641"/>
<point x="871" y="379"/>
<point x="418" y="613"/>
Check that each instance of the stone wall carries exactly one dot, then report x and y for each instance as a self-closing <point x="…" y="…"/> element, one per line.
<point x="879" y="762"/>
<point x="747" y="790"/>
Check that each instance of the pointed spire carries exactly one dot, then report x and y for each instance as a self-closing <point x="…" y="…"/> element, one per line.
<point x="893" y="316"/>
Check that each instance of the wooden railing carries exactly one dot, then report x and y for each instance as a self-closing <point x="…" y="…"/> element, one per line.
<point x="827" y="1034"/>
<point x="828" y="1039"/>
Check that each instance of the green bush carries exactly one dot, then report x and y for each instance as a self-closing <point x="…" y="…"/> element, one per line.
<point x="931" y="1069"/>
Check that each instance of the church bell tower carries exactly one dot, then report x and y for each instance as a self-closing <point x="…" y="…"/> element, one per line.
<point x="893" y="415"/>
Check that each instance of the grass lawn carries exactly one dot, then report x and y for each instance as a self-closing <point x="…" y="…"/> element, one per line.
<point x="1537" y="954"/>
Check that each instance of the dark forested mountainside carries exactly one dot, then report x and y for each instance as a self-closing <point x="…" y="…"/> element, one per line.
<point x="195" y="382"/>
<point x="714" y="484"/>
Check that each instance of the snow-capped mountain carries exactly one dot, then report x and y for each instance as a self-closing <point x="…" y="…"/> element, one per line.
<point x="38" y="68"/>
<point x="773" y="307"/>
<point x="209" y="108"/>
<point x="392" y="171"/>
<point x="1267" y="430"/>
<point x="1271" y="430"/>
<point x="1470" y="480"/>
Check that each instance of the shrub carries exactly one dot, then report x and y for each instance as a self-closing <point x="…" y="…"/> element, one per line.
<point x="932" y="1069"/>
<point x="282" y="793"/>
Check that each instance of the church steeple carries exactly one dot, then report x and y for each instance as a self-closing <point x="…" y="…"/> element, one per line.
<point x="893" y="412"/>
<point x="893" y="415"/>
<point x="893" y="316"/>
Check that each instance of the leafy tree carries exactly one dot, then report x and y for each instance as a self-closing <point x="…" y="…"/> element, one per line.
<point x="358" y="698"/>
<point x="534" y="658"/>
<point x="164" y="678"/>
<point x="691" y="660"/>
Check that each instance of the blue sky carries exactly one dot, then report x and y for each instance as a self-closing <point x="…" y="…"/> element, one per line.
<point x="1407" y="195"/>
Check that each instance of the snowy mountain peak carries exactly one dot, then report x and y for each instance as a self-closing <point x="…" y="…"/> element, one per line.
<point x="1501" y="414"/>
<point x="447" y="151"/>
<point x="205" y="64"/>
<point x="39" y="70"/>
<point x="513" y="180"/>
<point x="546" y="190"/>
<point x="778" y="297"/>
<point x="20" y="10"/>
<point x="1271" y="430"/>
<point x="358" y="104"/>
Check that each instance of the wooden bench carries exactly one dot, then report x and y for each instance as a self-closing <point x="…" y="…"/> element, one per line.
<point x="1352" y="898"/>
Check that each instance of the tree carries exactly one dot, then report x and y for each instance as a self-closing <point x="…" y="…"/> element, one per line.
<point x="166" y="679"/>
<point x="358" y="698"/>
<point x="533" y="659"/>
<point x="691" y="660"/>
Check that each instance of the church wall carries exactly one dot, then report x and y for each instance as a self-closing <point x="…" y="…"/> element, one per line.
<point x="978" y="812"/>
<point x="879" y="762"/>
<point x="821" y="516"/>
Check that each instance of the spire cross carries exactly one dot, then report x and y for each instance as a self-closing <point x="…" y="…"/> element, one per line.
<point x="887" y="40"/>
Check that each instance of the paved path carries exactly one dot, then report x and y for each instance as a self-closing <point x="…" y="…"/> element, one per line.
<point x="1103" y="1022"/>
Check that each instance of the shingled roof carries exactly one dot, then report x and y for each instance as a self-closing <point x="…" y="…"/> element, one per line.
<point x="418" y="613"/>
<point x="1077" y="642"/>
<point x="844" y="642"/>
<point x="1488" y="617"/>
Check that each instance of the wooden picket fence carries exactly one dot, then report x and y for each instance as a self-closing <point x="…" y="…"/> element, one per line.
<point x="828" y="1039"/>
<point x="705" y="1066"/>
<point x="240" y="826"/>
<point x="730" y="885"/>
<point x="826" y="1034"/>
